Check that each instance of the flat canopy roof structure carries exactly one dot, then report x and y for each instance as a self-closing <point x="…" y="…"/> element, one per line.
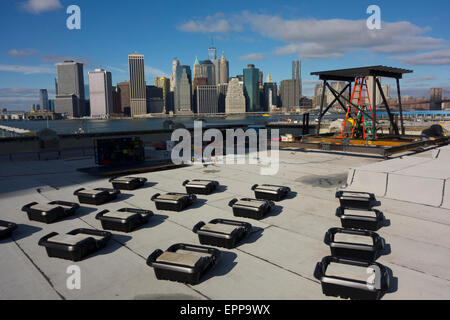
<point x="360" y="76"/>
<point x="353" y="73"/>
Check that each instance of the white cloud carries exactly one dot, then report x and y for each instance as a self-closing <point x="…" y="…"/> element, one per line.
<point x="432" y="58"/>
<point x="21" y="92"/>
<point x="217" y="23"/>
<point x="420" y="79"/>
<point x="109" y="68"/>
<point x="155" y="72"/>
<point x="106" y="68"/>
<point x="246" y="39"/>
<point x="39" y="6"/>
<point x="56" y="58"/>
<point x="252" y="56"/>
<point x="18" y="91"/>
<point x="22" y="53"/>
<point x="20" y="98"/>
<point x="410" y="44"/>
<point x="309" y="50"/>
<point x="312" y="38"/>
<point x="324" y="39"/>
<point x="423" y="91"/>
<point x="28" y="69"/>
<point x="18" y="103"/>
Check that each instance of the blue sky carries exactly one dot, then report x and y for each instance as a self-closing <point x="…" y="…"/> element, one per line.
<point x="323" y="34"/>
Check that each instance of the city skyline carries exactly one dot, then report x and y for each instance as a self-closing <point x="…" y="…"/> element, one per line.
<point x="28" y="61"/>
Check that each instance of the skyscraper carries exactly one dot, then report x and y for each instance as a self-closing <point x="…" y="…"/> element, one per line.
<point x="70" y="83"/>
<point x="317" y="101"/>
<point x="86" y="92"/>
<point x="155" y="100"/>
<point x="224" y="67"/>
<point x="200" y="81"/>
<point x="270" y="95"/>
<point x="212" y="51"/>
<point x="289" y="94"/>
<point x="70" y="78"/>
<point x="271" y="99"/>
<point x="235" y="99"/>
<point x="164" y="84"/>
<point x="197" y="69"/>
<point x="173" y="76"/>
<point x="221" y="96"/>
<point x="212" y="56"/>
<point x="436" y="99"/>
<point x="100" y="90"/>
<point x="207" y="101"/>
<point x="117" y="105"/>
<point x="216" y="64"/>
<point x="251" y="88"/>
<point x="261" y="80"/>
<point x="209" y="71"/>
<point x="124" y="90"/>
<point x="183" y="91"/>
<point x="387" y="90"/>
<point x="370" y="85"/>
<point x="138" y="103"/>
<point x="67" y="105"/>
<point x="51" y="105"/>
<point x="339" y="86"/>
<point x="43" y="99"/>
<point x="297" y="74"/>
<point x="198" y="77"/>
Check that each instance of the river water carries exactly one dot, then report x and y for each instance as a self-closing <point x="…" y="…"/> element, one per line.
<point x="126" y="125"/>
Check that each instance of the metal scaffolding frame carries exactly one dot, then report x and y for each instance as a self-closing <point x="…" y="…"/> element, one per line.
<point x="351" y="76"/>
